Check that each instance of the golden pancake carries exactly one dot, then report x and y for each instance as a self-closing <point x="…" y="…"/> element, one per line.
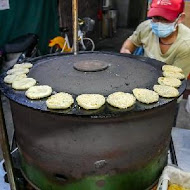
<point x="174" y="75"/>
<point x="145" y="95"/>
<point x="60" y="101"/>
<point x="23" y="84"/>
<point x="171" y="68"/>
<point x="16" y="71"/>
<point x="169" y="81"/>
<point x="11" y="78"/>
<point x="38" y="92"/>
<point x="90" y="101"/>
<point x="166" y="91"/>
<point x="23" y="65"/>
<point x="121" y="100"/>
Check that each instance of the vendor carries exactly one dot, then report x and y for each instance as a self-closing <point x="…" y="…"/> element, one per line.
<point x="163" y="37"/>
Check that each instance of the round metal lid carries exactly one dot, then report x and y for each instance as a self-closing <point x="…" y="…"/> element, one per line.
<point x="90" y="65"/>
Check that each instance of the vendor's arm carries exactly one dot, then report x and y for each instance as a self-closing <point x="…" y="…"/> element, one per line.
<point x="135" y="40"/>
<point x="128" y="47"/>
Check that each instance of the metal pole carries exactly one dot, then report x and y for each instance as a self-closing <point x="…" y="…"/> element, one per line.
<point x="75" y="26"/>
<point x="6" y="149"/>
<point x="173" y="154"/>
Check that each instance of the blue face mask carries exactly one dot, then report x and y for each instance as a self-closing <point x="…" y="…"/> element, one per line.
<point x="163" y="30"/>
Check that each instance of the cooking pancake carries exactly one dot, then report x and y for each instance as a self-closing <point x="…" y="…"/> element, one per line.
<point x="166" y="91"/>
<point x="177" y="75"/>
<point x="121" y="100"/>
<point x="60" y="101"/>
<point x="90" y="101"/>
<point x="18" y="71"/>
<point x="171" y="68"/>
<point x="11" y="78"/>
<point x="23" y="65"/>
<point x="145" y="95"/>
<point x="169" y="81"/>
<point x="38" y="92"/>
<point x="23" y="84"/>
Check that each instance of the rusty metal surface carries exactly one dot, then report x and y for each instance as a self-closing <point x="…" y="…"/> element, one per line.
<point x="78" y="146"/>
<point x="124" y="73"/>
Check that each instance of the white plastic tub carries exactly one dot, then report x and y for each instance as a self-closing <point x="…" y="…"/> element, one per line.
<point x="173" y="175"/>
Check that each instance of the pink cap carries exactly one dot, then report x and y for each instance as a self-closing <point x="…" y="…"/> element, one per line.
<point x="168" y="9"/>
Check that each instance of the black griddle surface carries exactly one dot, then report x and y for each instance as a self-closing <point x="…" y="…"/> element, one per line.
<point x="104" y="111"/>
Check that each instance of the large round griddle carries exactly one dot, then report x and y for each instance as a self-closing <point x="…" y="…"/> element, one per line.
<point x="106" y="73"/>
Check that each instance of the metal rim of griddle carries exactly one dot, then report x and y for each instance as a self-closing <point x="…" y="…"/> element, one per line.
<point x="105" y="111"/>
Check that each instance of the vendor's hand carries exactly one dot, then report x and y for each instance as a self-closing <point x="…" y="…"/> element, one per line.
<point x="123" y="50"/>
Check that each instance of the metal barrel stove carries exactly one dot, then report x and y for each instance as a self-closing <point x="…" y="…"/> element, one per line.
<point x="108" y="148"/>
